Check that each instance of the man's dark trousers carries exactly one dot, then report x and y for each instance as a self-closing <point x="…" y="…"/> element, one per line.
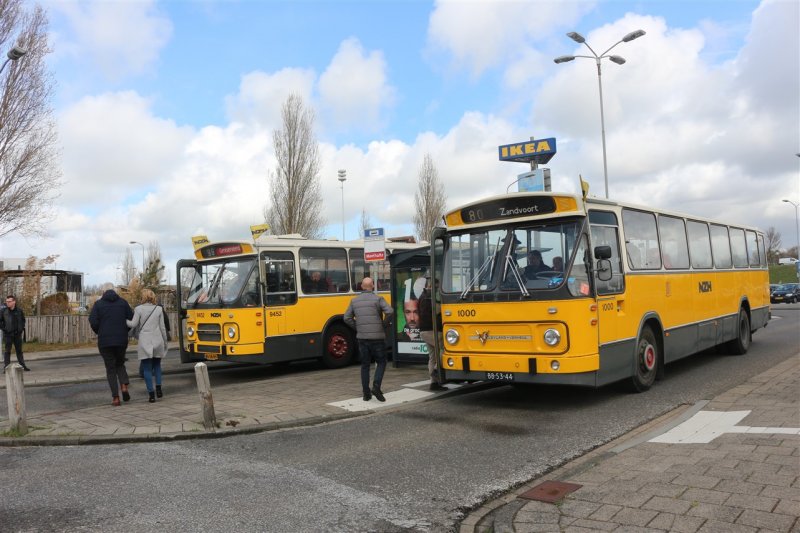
<point x="16" y="340"/>
<point x="369" y="350"/>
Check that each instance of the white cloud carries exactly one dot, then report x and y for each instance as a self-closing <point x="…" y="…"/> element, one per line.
<point x="354" y="89"/>
<point x="261" y="95"/>
<point x="481" y="35"/>
<point x="113" y="146"/>
<point x="120" y="38"/>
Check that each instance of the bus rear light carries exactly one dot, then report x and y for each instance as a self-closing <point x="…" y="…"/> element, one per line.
<point x="555" y="365"/>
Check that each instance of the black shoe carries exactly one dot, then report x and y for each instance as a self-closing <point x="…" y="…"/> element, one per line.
<point x="159" y="393"/>
<point x="126" y="396"/>
<point x="367" y="396"/>
<point x="378" y="394"/>
<point x="25" y="368"/>
<point x="152" y="397"/>
<point x="437" y="386"/>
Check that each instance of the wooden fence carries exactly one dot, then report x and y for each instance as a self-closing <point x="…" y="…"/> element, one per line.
<point x="70" y="329"/>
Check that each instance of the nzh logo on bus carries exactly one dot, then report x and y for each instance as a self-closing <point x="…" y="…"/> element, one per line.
<point x="704" y="286"/>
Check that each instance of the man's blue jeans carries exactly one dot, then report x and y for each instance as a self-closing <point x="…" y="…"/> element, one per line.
<point x="369" y="350"/>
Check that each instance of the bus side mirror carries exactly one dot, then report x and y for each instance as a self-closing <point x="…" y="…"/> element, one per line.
<point x="604" y="269"/>
<point x="602" y="252"/>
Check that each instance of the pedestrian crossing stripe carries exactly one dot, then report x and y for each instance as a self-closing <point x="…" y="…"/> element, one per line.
<point x="409" y="393"/>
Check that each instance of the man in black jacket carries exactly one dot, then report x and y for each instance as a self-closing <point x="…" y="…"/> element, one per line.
<point x="108" y="322"/>
<point x="12" y="322"/>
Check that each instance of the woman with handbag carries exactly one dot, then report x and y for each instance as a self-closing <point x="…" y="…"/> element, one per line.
<point x="148" y="321"/>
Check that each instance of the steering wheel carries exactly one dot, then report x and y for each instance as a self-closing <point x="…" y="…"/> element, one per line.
<point x="547" y="274"/>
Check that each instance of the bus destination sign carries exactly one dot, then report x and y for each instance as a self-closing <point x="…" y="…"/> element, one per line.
<point x="222" y="250"/>
<point x="508" y="208"/>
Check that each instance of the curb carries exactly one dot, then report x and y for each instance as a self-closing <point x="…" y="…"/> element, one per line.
<point x="498" y="514"/>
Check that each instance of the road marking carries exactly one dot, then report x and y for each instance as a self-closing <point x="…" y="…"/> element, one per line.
<point x="706" y="426"/>
<point x="392" y="398"/>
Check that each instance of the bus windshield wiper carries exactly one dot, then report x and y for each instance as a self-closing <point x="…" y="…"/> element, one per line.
<point x="511" y="265"/>
<point x="484" y="267"/>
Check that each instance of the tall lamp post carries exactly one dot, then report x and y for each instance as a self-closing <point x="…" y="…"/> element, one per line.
<point x="142" y="245"/>
<point x="342" y="179"/>
<point x="13" y="54"/>
<point x="796" y="222"/>
<point x="578" y="38"/>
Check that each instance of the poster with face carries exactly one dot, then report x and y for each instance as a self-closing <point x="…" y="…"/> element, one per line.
<point x="410" y="285"/>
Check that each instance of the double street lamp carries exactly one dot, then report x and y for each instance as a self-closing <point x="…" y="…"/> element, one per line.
<point x="578" y="38"/>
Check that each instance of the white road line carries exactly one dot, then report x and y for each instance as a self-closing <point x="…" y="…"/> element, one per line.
<point x="392" y="398"/>
<point x="706" y="426"/>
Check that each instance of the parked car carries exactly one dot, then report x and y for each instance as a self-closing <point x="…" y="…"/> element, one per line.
<point x="787" y="293"/>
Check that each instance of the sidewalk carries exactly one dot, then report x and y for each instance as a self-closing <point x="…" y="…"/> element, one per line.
<point x="301" y="398"/>
<point x="728" y="465"/>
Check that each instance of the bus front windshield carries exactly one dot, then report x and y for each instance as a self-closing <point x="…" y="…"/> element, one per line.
<point x="520" y="258"/>
<point x="232" y="283"/>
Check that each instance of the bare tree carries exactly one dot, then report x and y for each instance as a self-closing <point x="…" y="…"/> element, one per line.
<point x="366" y="223"/>
<point x="772" y="240"/>
<point x="429" y="200"/>
<point x="128" y="268"/>
<point x="295" y="196"/>
<point x="29" y="172"/>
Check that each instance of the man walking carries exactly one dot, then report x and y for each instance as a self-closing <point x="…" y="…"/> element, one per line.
<point x="369" y="314"/>
<point x="12" y="322"/>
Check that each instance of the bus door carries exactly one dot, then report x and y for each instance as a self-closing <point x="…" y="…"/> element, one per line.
<point x="188" y="274"/>
<point x="610" y="292"/>
<point x="280" y="295"/>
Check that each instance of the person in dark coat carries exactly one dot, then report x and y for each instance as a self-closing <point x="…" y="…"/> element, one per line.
<point x="12" y="322"/>
<point x="369" y="314"/>
<point x="108" y="321"/>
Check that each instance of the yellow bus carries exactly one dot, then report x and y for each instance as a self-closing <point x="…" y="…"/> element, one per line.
<point x="277" y="299"/>
<point x="563" y="289"/>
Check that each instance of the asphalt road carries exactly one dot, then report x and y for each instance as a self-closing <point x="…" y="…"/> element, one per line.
<point x="418" y="468"/>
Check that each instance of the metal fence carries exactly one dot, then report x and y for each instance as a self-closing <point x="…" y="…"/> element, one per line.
<point x="69" y="329"/>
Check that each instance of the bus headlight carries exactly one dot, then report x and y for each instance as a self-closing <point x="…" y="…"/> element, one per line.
<point x="451" y="336"/>
<point x="190" y="331"/>
<point x="552" y="337"/>
<point x="231" y="332"/>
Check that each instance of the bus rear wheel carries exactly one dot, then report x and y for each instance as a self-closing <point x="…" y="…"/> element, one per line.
<point x="744" y="336"/>
<point x="338" y="347"/>
<point x="646" y="363"/>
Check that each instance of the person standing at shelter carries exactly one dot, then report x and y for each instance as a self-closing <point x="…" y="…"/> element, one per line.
<point x="149" y="319"/>
<point x="108" y="320"/>
<point x="369" y="314"/>
<point x="12" y="322"/>
<point x="427" y="314"/>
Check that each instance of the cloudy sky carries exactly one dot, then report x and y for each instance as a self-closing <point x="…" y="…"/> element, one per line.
<point x="166" y="109"/>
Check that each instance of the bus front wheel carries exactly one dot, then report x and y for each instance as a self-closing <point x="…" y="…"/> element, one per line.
<point x="646" y="363"/>
<point x="338" y="347"/>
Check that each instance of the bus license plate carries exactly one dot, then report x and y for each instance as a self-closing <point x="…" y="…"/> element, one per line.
<point x="212" y="357"/>
<point x="499" y="376"/>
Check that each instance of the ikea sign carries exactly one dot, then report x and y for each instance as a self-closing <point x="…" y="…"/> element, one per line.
<point x="538" y="150"/>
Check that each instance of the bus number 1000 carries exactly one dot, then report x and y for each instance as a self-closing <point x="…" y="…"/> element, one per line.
<point x="466" y="312"/>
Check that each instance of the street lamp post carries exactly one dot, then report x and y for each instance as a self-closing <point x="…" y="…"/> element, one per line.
<point x="796" y="222"/>
<point x="13" y="54"/>
<point x="342" y="179"/>
<point x="142" y="245"/>
<point x="578" y="38"/>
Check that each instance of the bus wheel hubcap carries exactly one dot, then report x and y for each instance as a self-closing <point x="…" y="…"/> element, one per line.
<point x="337" y="346"/>
<point x="649" y="357"/>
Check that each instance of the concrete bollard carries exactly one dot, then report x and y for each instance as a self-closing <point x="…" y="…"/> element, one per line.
<point x="206" y="399"/>
<point x="15" y="393"/>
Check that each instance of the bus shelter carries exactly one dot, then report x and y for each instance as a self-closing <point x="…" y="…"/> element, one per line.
<point x="407" y="272"/>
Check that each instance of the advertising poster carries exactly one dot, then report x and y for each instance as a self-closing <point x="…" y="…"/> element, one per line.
<point x="410" y="284"/>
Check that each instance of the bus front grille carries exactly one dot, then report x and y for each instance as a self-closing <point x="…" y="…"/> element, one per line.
<point x="209" y="332"/>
